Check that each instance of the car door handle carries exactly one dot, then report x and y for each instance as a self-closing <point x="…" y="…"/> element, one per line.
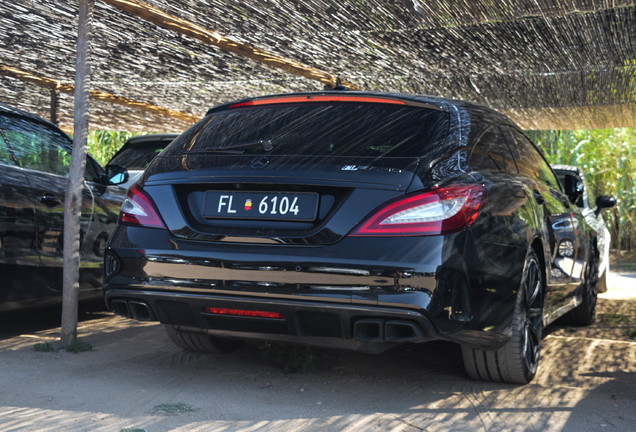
<point x="50" y="200"/>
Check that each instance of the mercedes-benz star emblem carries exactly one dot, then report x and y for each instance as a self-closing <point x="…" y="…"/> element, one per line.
<point x="259" y="162"/>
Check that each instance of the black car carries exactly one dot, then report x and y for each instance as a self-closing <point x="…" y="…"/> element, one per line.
<point x="353" y="220"/>
<point x="34" y="161"/>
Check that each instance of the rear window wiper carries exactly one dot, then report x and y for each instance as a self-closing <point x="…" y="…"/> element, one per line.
<point x="266" y="145"/>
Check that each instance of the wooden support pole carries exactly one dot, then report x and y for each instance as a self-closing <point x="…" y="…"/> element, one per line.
<point x="73" y="197"/>
<point x="95" y="94"/>
<point x="55" y="105"/>
<point x="162" y="19"/>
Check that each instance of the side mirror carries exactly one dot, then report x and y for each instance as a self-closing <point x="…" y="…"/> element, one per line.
<point x="603" y="202"/>
<point x="116" y="174"/>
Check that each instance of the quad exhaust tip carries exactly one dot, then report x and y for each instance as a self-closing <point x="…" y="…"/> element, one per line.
<point x="395" y="331"/>
<point x="134" y="309"/>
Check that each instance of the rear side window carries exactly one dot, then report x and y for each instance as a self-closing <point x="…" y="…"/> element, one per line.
<point x="491" y="152"/>
<point x="529" y="161"/>
<point x="36" y="146"/>
<point x="139" y="156"/>
<point x="336" y="129"/>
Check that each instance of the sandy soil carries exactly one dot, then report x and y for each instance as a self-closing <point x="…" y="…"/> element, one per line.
<point x="134" y="379"/>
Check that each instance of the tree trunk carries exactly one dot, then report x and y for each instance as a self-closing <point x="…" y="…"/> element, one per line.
<point x="73" y="200"/>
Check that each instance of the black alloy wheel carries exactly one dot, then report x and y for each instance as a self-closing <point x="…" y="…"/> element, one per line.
<point x="533" y="322"/>
<point x="517" y="361"/>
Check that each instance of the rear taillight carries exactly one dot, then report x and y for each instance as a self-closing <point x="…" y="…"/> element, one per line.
<point x="437" y="211"/>
<point x="139" y="210"/>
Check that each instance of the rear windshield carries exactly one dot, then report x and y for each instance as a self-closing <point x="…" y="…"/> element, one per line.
<point x="139" y="156"/>
<point x="335" y="129"/>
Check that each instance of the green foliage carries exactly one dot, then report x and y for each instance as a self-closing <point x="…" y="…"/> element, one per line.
<point x="103" y="145"/>
<point x="608" y="158"/>
<point x="613" y="318"/>
<point x="292" y="358"/>
<point x="76" y="346"/>
<point x="44" y="347"/>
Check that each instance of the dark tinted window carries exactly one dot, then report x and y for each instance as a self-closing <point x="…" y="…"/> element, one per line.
<point x="341" y="129"/>
<point x="138" y="157"/>
<point x="5" y="154"/>
<point x="91" y="172"/>
<point x="528" y="159"/>
<point x="491" y="152"/>
<point x="36" y="146"/>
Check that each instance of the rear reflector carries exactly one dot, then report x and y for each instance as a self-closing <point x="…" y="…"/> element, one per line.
<point x="242" y="313"/>
<point x="139" y="210"/>
<point x="316" y="98"/>
<point x="437" y="211"/>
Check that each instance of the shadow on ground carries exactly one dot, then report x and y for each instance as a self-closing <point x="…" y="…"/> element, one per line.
<point x="34" y="320"/>
<point x="585" y="383"/>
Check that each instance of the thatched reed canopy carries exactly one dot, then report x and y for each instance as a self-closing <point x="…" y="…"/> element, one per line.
<point x="549" y="64"/>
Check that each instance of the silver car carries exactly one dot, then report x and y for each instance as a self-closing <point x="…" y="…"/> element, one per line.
<point x="576" y="187"/>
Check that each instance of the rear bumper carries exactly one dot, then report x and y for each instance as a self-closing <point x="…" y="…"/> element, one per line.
<point x="357" y="327"/>
<point x="345" y="295"/>
<point x="312" y="320"/>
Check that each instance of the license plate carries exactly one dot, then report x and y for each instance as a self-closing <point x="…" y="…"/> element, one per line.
<point x="260" y="205"/>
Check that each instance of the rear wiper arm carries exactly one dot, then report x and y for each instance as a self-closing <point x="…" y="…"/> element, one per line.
<point x="238" y="148"/>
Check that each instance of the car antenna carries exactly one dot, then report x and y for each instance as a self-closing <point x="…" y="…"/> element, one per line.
<point x="338" y="86"/>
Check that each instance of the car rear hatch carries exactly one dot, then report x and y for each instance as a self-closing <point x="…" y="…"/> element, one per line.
<point x="291" y="171"/>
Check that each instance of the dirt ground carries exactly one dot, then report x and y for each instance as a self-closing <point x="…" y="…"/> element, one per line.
<point x="134" y="379"/>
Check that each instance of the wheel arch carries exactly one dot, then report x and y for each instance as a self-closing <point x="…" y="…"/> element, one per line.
<point x="537" y="246"/>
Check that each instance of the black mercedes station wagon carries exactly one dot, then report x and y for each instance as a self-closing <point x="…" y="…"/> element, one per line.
<point x="354" y="220"/>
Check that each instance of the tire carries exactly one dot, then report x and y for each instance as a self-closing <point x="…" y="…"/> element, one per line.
<point x="585" y="313"/>
<point x="517" y="361"/>
<point x="201" y="342"/>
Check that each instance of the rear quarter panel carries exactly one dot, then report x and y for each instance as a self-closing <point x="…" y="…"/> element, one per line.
<point x="498" y="243"/>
